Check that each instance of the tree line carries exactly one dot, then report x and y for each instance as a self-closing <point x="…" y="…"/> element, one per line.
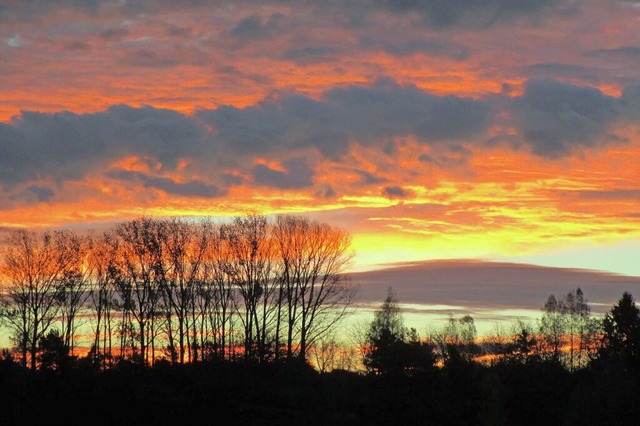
<point x="184" y="291"/>
<point x="166" y="304"/>
<point x="253" y="288"/>
<point x="441" y="379"/>
<point x="566" y="335"/>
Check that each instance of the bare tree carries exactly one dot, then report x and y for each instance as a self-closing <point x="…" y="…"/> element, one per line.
<point x="182" y="286"/>
<point x="314" y="256"/>
<point x="581" y="329"/>
<point x="138" y="262"/>
<point x="35" y="268"/>
<point x="568" y="331"/>
<point x="331" y="353"/>
<point x="74" y="287"/>
<point x="185" y="248"/>
<point x="252" y="261"/>
<point x="101" y="261"/>
<point x="217" y="293"/>
<point x="456" y="340"/>
<point x="553" y="327"/>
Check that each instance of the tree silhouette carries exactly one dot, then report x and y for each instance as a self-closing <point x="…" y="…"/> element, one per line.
<point x="456" y="340"/>
<point x="54" y="352"/>
<point x="139" y="282"/>
<point x="36" y="266"/>
<point x="522" y="348"/>
<point x="552" y="328"/>
<point x="392" y="348"/>
<point x="567" y="330"/>
<point x="315" y="293"/>
<point x="621" y="326"/>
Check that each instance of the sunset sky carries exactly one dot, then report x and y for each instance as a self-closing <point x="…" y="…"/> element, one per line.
<point x="496" y="129"/>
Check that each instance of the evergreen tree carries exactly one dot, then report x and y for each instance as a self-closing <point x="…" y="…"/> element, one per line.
<point x="621" y="337"/>
<point x="394" y="349"/>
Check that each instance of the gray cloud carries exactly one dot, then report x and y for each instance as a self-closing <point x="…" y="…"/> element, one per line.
<point x="445" y="14"/>
<point x="555" y="69"/>
<point x="368" y="115"/>
<point x="625" y="51"/>
<point x="396" y="192"/>
<point x="491" y="285"/>
<point x="614" y="194"/>
<point x="441" y="48"/>
<point x="367" y="178"/>
<point x="33" y="9"/>
<point x="388" y="109"/>
<point x="453" y="156"/>
<point x="35" y="194"/>
<point x="114" y="33"/>
<point x="311" y="54"/>
<point x="14" y="159"/>
<point x="297" y="175"/>
<point x="66" y="146"/>
<point x="193" y="188"/>
<point x="253" y="27"/>
<point x="555" y="117"/>
<point x="326" y="192"/>
<point x="434" y="13"/>
<point x="147" y="58"/>
<point x="232" y="72"/>
<point x="231" y="179"/>
<point x="630" y="103"/>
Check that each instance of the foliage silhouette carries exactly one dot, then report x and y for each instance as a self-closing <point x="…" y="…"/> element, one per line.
<point x="392" y="348"/>
<point x="621" y="327"/>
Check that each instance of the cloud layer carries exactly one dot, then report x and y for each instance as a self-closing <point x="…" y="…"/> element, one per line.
<point x="428" y="122"/>
<point x="551" y="118"/>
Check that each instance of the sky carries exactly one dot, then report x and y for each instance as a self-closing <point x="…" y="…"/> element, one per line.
<point x="496" y="294"/>
<point x="505" y="130"/>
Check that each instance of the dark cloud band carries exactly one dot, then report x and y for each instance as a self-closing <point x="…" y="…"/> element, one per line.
<point x="552" y="118"/>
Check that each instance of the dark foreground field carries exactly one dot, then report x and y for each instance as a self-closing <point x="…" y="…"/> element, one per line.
<point x="536" y="393"/>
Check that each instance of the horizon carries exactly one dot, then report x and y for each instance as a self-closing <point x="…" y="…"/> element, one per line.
<point x="430" y="292"/>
